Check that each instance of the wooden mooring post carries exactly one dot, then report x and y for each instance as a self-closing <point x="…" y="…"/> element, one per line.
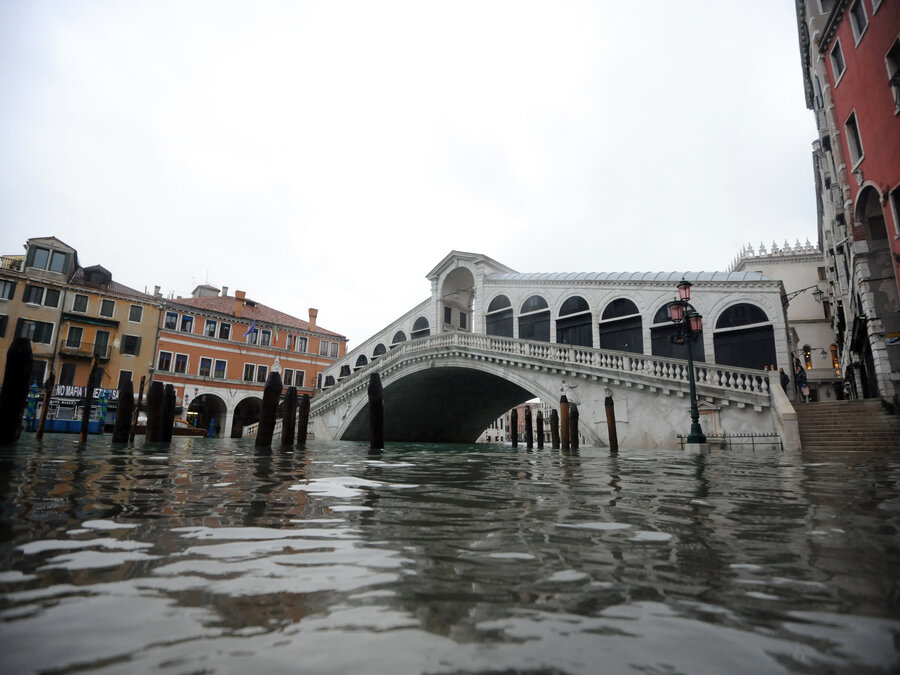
<point x="540" y="430"/>
<point x="376" y="413"/>
<point x="48" y="393"/>
<point x="529" y="430"/>
<point x="564" y="421"/>
<point x="514" y="427"/>
<point x="86" y="412"/>
<point x="303" y="423"/>
<point x="123" y="413"/>
<point x="137" y="409"/>
<point x="269" y="412"/>
<point x="289" y="419"/>
<point x="611" y="422"/>
<point x="155" y="403"/>
<point x="14" y="394"/>
<point x="168" y="418"/>
<point x="554" y="429"/>
<point x="573" y="426"/>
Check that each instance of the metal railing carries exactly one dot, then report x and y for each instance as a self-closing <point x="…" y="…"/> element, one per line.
<point x="85" y="350"/>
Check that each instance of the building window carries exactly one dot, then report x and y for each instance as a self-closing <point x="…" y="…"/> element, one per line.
<point x="165" y="361"/>
<point x="807" y="357"/>
<point x="38" y="368"/>
<point x="205" y="367"/>
<point x="57" y="262"/>
<point x="67" y="375"/>
<point x="399" y="337"/>
<point x="262" y="372"/>
<point x="73" y="339"/>
<point x="225" y="331"/>
<point x="858" y="20"/>
<point x="219" y="372"/>
<point x="80" y="303"/>
<point x="136" y="314"/>
<point x="252" y="336"/>
<point x="288" y="378"/>
<point x="265" y="338"/>
<point x="41" y="258"/>
<point x="7" y="289"/>
<point x="124" y="377"/>
<point x="51" y="298"/>
<point x="299" y="378"/>
<point x="107" y="308"/>
<point x="187" y="324"/>
<point x="171" y="321"/>
<point x="323" y="348"/>
<point x="854" y="140"/>
<point x="36" y="331"/>
<point x="101" y="343"/>
<point x="209" y="328"/>
<point x="249" y="372"/>
<point x="895" y="209"/>
<point x="301" y="344"/>
<point x="420" y="328"/>
<point x="33" y="294"/>
<point x="181" y="363"/>
<point x="4" y="320"/>
<point x="837" y="62"/>
<point x="462" y="320"/>
<point x="335" y="349"/>
<point x="892" y="62"/>
<point x="131" y="344"/>
<point x="448" y="315"/>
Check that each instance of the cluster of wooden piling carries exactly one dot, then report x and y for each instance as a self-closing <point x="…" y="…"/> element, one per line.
<point x="563" y="426"/>
<point x="294" y="419"/>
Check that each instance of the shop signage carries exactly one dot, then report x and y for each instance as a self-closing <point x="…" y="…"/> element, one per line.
<point x="67" y="391"/>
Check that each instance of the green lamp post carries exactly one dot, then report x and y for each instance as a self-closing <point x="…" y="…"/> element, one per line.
<point x="689" y="324"/>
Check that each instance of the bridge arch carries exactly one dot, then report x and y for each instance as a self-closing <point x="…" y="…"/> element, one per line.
<point x="420" y="328"/>
<point x="457" y="296"/>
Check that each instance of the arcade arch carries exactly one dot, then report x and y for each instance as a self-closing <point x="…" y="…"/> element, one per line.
<point x="246" y="412"/>
<point x="534" y="319"/>
<point x="663" y="333"/>
<point x="208" y="411"/>
<point x="573" y="326"/>
<point x="499" y="317"/>
<point x="621" y="327"/>
<point x="745" y="337"/>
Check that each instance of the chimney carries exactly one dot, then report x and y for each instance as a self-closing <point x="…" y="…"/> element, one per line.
<point x="156" y="293"/>
<point x="313" y="313"/>
<point x="224" y="291"/>
<point x="239" y="303"/>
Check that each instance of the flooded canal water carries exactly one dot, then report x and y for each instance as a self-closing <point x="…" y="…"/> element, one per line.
<point x="208" y="556"/>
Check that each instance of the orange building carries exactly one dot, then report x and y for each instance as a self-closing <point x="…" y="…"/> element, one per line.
<point x="217" y="351"/>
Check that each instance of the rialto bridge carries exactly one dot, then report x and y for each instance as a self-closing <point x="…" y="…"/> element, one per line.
<point x="490" y="338"/>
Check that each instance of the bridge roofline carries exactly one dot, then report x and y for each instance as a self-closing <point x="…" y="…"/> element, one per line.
<point x="670" y="278"/>
<point x="475" y="259"/>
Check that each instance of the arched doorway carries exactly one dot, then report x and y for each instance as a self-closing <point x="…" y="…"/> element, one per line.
<point x="457" y="299"/>
<point x="744" y="337"/>
<point x="207" y="411"/>
<point x="573" y="327"/>
<point x="620" y="327"/>
<point x="245" y="413"/>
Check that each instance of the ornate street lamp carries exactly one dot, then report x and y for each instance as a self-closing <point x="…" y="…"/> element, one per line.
<point x="689" y="324"/>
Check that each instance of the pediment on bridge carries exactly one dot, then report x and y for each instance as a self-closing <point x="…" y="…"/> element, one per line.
<point x="455" y="258"/>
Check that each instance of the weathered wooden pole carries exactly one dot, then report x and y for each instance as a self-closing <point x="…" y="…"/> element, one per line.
<point x="168" y="416"/>
<point x="554" y="429"/>
<point x="289" y="419"/>
<point x="514" y="427"/>
<point x="540" y="430"/>
<point x="137" y="409"/>
<point x="269" y="412"/>
<point x="123" y="413"/>
<point x="155" y="404"/>
<point x="376" y="413"/>
<point x="529" y="431"/>
<point x="86" y="412"/>
<point x="564" y="421"/>
<point x="303" y="423"/>
<point x="611" y="423"/>
<point x="14" y="394"/>
<point x="573" y="426"/>
<point x="48" y="393"/>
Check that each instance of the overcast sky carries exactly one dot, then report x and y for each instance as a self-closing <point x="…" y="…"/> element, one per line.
<point x="329" y="154"/>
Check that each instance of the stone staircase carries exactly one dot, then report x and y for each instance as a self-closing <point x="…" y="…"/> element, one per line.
<point x="848" y="425"/>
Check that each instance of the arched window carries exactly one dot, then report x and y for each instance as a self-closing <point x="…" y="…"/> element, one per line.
<point x="420" y="328"/>
<point x="379" y="350"/>
<point x="329" y="381"/>
<point x="662" y="334"/>
<point x="534" y="319"/>
<point x="620" y="327"/>
<point x="573" y="327"/>
<point x="399" y="337"/>
<point x="499" y="317"/>
<point x="345" y="372"/>
<point x="744" y="337"/>
<point x="361" y="361"/>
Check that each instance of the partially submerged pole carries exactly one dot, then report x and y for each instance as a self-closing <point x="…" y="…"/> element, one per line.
<point x="124" y="409"/>
<point x="573" y="426"/>
<point x="529" y="431"/>
<point x="554" y="430"/>
<point x="303" y="423"/>
<point x="564" y="421"/>
<point x="376" y="412"/>
<point x="48" y="392"/>
<point x="155" y="402"/>
<point x="611" y="422"/>
<point x="540" y="430"/>
<point x="289" y="419"/>
<point x="137" y="409"/>
<point x="14" y="394"/>
<point x="168" y="417"/>
<point x="514" y="427"/>
<point x="86" y="413"/>
<point x="269" y="412"/>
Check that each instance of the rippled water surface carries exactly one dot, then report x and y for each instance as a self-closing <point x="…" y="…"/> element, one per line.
<point x="208" y="556"/>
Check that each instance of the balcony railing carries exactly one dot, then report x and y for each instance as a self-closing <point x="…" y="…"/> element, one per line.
<point x="85" y="350"/>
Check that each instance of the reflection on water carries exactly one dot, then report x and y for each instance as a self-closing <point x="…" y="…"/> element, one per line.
<point x="211" y="556"/>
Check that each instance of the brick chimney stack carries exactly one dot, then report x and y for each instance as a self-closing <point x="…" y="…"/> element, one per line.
<point x="313" y="313"/>
<point x="239" y="297"/>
